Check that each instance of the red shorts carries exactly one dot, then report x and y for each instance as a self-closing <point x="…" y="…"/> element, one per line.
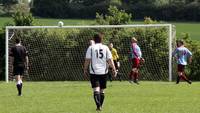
<point x="181" y="68"/>
<point x="136" y="63"/>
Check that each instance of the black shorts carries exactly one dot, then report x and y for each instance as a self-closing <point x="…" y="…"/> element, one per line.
<point x="18" y="70"/>
<point x="181" y="68"/>
<point x="98" y="80"/>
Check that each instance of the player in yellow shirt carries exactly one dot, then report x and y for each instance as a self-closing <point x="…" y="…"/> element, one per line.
<point x="115" y="58"/>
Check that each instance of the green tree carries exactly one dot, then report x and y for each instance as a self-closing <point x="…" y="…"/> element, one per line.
<point x="114" y="17"/>
<point x="23" y="19"/>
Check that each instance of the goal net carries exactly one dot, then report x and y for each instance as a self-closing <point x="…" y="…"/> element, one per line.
<point x="57" y="53"/>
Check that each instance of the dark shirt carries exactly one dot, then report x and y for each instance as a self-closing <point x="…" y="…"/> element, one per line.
<point x="19" y="53"/>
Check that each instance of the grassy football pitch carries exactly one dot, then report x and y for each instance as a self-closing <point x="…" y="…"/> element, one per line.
<point x="121" y="97"/>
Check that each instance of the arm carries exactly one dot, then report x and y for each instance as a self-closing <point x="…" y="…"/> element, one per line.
<point x="87" y="62"/>
<point x="111" y="64"/>
<point x="139" y="52"/>
<point x="27" y="62"/>
<point x="190" y="59"/>
<point x="174" y="53"/>
<point x="86" y="65"/>
<point x="190" y="56"/>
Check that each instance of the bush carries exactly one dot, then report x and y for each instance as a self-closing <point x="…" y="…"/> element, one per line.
<point x="114" y="17"/>
<point x="23" y="19"/>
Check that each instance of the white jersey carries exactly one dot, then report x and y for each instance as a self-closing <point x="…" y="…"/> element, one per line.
<point x="99" y="54"/>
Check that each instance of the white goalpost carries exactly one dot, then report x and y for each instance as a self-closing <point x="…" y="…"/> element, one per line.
<point x="57" y="52"/>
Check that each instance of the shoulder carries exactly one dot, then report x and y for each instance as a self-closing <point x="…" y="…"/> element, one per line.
<point x="104" y="46"/>
<point x="137" y="45"/>
<point x="187" y="49"/>
<point x="114" y="50"/>
<point x="89" y="48"/>
<point x="177" y="49"/>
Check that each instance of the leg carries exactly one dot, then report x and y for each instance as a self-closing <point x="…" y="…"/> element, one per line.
<point x="181" y="74"/>
<point x="97" y="97"/>
<point x="130" y="76"/>
<point x="134" y="71"/>
<point x="178" y="77"/>
<point x="102" y="95"/>
<point x="94" y="79"/>
<point x="119" y="76"/>
<point x="135" y="75"/>
<point x="185" y="78"/>
<point x="103" y="82"/>
<point x="19" y="85"/>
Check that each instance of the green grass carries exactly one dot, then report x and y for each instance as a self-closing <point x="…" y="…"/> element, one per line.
<point x="191" y="28"/>
<point x="181" y="27"/>
<point x="121" y="97"/>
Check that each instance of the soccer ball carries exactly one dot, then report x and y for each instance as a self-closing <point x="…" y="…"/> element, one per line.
<point x="60" y="24"/>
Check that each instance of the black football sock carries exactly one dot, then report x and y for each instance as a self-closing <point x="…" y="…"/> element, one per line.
<point x="186" y="79"/>
<point x="97" y="99"/>
<point x="102" y="98"/>
<point x="19" y="89"/>
<point x="177" y="79"/>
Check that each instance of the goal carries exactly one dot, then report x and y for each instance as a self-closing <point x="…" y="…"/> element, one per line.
<point x="57" y="53"/>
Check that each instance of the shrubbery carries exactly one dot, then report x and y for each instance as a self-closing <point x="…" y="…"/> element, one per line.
<point x="158" y="9"/>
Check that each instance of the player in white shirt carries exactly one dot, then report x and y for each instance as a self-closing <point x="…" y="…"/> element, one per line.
<point x="98" y="56"/>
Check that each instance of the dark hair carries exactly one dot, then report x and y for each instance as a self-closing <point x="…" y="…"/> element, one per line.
<point x="17" y="40"/>
<point x="180" y="42"/>
<point x="98" y="38"/>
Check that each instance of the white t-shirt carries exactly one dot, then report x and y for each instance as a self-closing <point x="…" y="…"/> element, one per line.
<point x="99" y="54"/>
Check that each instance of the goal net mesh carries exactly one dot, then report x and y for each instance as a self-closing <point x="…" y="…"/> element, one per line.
<point x="57" y="54"/>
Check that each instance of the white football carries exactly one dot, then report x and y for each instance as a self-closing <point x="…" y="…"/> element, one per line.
<point x="60" y="23"/>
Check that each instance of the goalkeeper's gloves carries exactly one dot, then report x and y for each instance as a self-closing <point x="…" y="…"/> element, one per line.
<point x="142" y="60"/>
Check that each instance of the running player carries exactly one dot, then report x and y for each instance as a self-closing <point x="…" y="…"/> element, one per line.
<point x="182" y="54"/>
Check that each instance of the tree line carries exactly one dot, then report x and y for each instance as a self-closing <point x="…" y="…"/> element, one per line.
<point x="184" y="10"/>
<point x="171" y="10"/>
